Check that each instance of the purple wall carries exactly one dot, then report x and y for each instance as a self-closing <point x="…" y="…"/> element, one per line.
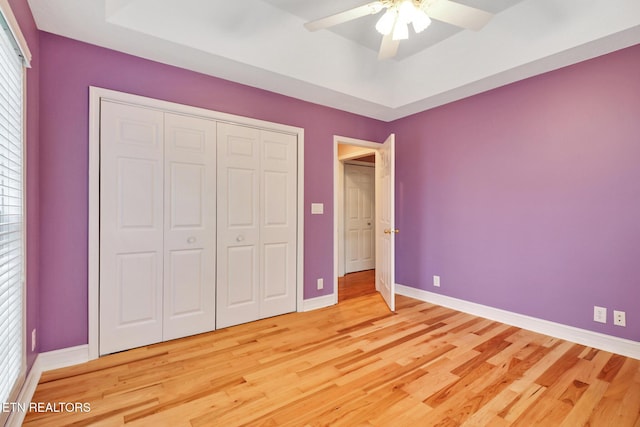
<point x="71" y="67"/>
<point x="527" y="197"/>
<point x="23" y="15"/>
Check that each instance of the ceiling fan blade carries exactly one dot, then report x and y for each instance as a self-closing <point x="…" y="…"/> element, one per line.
<point x="458" y="14"/>
<point x="348" y="15"/>
<point x="388" y="47"/>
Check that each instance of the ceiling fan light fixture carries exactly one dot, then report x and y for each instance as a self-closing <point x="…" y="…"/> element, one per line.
<point x="400" y="31"/>
<point x="396" y="15"/>
<point x="420" y="21"/>
<point x="406" y="11"/>
<point x="386" y="21"/>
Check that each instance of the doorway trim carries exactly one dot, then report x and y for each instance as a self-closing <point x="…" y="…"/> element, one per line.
<point x="96" y="94"/>
<point x="367" y="146"/>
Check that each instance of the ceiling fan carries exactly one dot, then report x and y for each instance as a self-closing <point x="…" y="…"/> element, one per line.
<point x="394" y="23"/>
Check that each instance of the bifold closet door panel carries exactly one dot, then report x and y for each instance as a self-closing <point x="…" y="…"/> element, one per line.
<point x="131" y="226"/>
<point x="278" y="231"/>
<point x="189" y="226"/>
<point x="238" y="232"/>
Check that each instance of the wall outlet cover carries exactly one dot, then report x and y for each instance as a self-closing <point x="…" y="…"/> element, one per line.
<point x="619" y="318"/>
<point x="599" y="314"/>
<point x="436" y="281"/>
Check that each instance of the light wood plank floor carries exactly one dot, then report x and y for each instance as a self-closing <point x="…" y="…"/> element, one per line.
<point x="353" y="364"/>
<point x="357" y="284"/>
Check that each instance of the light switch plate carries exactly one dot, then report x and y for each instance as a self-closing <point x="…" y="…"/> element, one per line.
<point x="317" y="208"/>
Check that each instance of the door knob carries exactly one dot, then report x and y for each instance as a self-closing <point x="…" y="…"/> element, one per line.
<point x="240" y="238"/>
<point x="388" y="231"/>
<point x="191" y="239"/>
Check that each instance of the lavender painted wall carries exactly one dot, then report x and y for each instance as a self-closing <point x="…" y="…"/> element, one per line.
<point x="23" y="15"/>
<point x="69" y="68"/>
<point x="524" y="198"/>
<point x="527" y="197"/>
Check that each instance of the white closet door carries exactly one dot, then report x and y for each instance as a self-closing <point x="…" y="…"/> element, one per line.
<point x="190" y="222"/>
<point x="238" y="233"/>
<point x="131" y="227"/>
<point x="278" y="172"/>
<point x="359" y="218"/>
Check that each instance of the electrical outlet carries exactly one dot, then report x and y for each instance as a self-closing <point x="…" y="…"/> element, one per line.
<point x="320" y="283"/>
<point x="619" y="318"/>
<point x="599" y="314"/>
<point x="436" y="281"/>
<point x="33" y="340"/>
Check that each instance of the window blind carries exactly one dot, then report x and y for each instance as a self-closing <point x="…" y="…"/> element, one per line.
<point x="12" y="347"/>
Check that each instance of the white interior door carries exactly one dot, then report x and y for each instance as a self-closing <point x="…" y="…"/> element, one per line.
<point x="238" y="249"/>
<point x="189" y="226"/>
<point x="278" y="229"/>
<point x="385" y="221"/>
<point x="131" y="227"/>
<point x="359" y="218"/>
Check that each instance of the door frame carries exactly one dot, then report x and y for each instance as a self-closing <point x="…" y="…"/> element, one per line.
<point x="338" y="168"/>
<point x="96" y="94"/>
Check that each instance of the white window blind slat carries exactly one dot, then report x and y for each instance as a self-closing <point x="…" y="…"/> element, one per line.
<point x="11" y="215"/>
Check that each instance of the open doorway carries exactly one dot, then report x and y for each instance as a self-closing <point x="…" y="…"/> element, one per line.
<point x="356" y="219"/>
<point x="373" y="234"/>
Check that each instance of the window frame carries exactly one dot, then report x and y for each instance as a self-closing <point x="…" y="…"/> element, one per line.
<point x="16" y="38"/>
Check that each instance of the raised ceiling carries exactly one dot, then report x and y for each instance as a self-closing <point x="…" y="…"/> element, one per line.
<point x="262" y="43"/>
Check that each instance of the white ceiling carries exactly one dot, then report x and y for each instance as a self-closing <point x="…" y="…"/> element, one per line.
<point x="263" y="43"/>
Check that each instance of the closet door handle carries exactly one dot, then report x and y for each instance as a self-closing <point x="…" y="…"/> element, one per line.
<point x="240" y="238"/>
<point x="191" y="240"/>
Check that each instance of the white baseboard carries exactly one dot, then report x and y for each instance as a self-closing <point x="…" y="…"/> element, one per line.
<point x="16" y="418"/>
<point x="319" y="302"/>
<point x="581" y="336"/>
<point x="45" y="362"/>
<point x="64" y="357"/>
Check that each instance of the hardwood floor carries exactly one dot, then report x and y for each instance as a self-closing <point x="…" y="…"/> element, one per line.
<point x="354" y="285"/>
<point x="353" y="364"/>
